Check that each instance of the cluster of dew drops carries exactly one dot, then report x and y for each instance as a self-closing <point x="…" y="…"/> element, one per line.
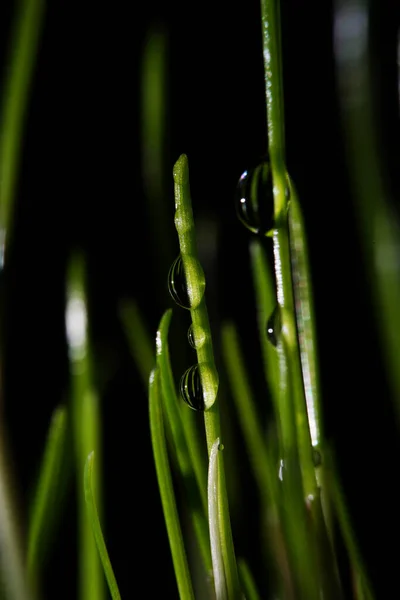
<point x="258" y="216"/>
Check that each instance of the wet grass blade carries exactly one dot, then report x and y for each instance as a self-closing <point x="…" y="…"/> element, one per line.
<point x="195" y="286"/>
<point x="165" y="484"/>
<point x="46" y="495"/>
<point x="86" y="424"/>
<point x="140" y="342"/>
<point x="96" y="528"/>
<point x="190" y="459"/>
<point x="214" y="516"/>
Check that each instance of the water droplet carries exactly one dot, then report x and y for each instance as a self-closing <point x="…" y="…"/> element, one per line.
<point x="184" y="295"/>
<point x="196" y="336"/>
<point x="316" y="457"/>
<point x="274" y="326"/>
<point x="192" y="390"/>
<point x="221" y="447"/>
<point x="255" y="199"/>
<point x="281" y="469"/>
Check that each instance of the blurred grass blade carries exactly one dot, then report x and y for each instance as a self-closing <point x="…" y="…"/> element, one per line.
<point x="376" y="217"/>
<point x="190" y="459"/>
<point x="246" y="579"/>
<point x="22" y="56"/>
<point x="363" y="586"/>
<point x="86" y="424"/>
<point x="165" y="484"/>
<point x="264" y="471"/>
<point x="140" y="342"/>
<point x="221" y="591"/>
<point x="96" y="528"/>
<point x="46" y="494"/>
<point x="264" y="287"/>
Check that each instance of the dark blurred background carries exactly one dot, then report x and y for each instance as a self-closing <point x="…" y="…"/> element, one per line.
<point x="81" y="184"/>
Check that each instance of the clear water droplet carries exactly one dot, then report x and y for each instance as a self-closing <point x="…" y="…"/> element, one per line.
<point x="192" y="390"/>
<point x="281" y="469"/>
<point x="196" y="336"/>
<point x="274" y="326"/>
<point x="185" y="296"/>
<point x="221" y="447"/>
<point x="255" y="199"/>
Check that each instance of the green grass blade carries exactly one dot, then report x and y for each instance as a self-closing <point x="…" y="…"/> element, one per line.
<point x="190" y="459"/>
<point x="195" y="284"/>
<point x="86" y="425"/>
<point x="96" y="528"/>
<point x="44" y="498"/>
<point x="246" y="579"/>
<point x="164" y="478"/>
<point x="140" y="342"/>
<point x="25" y="38"/>
<point x="220" y="584"/>
<point x="264" y="287"/>
<point x="264" y="470"/>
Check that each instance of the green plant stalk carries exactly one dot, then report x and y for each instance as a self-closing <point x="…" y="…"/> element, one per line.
<point x="45" y="491"/>
<point x="214" y="515"/>
<point x="86" y="426"/>
<point x="190" y="460"/>
<point x="184" y="224"/>
<point x="164" y="478"/>
<point x="25" y="38"/>
<point x="96" y="528"/>
<point x="285" y="296"/>
<point x="247" y="580"/>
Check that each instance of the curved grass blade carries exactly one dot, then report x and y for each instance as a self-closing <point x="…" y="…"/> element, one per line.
<point x="46" y="491"/>
<point x="264" y="287"/>
<point x="165" y="484"/>
<point x="195" y="285"/>
<point x="190" y="459"/>
<point x="247" y="580"/>
<point x="221" y="591"/>
<point x="25" y="38"/>
<point x="96" y="528"/>
<point x="140" y="342"/>
<point x="86" y="424"/>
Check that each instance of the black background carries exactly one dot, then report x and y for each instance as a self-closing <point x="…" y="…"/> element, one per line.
<point x="81" y="184"/>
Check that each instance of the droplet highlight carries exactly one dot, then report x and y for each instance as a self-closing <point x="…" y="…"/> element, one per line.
<point x="255" y="199"/>
<point x="194" y="393"/>
<point x="187" y="289"/>
<point x="196" y="336"/>
<point x="274" y="326"/>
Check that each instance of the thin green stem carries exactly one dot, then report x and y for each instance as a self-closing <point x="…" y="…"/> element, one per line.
<point x="166" y="489"/>
<point x="247" y="580"/>
<point x="96" y="528"/>
<point x="195" y="283"/>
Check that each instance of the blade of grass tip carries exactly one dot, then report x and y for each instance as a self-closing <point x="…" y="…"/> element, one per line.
<point x="190" y="459"/>
<point x="96" y="528"/>
<point x="165" y="484"/>
<point x="206" y="368"/>
<point x="221" y="591"/>
<point x="22" y="56"/>
<point x="247" y="580"/>
<point x="140" y="342"/>
<point x="85" y="422"/>
<point x="47" y="484"/>
<point x="378" y="225"/>
<point x="364" y="587"/>
<point x="264" y="287"/>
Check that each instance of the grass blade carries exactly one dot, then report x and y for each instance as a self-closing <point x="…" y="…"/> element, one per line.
<point x="140" y="342"/>
<point x="220" y="584"/>
<point x="96" y="528"/>
<point x="195" y="285"/>
<point x="164" y="478"/>
<point x="86" y="425"/>
<point x="190" y="459"/>
<point x="248" y="584"/>
<point x="46" y="489"/>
